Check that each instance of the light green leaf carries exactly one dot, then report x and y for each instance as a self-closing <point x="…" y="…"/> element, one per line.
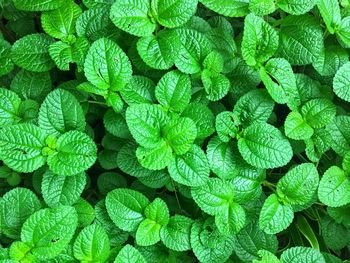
<point x="339" y="130"/>
<point x="158" y="212"/>
<point x="145" y="122"/>
<point x="334" y="188"/>
<point x="231" y="220"/>
<point x="15" y="207"/>
<point x="279" y="80"/>
<point x="148" y="233"/>
<point x="262" y="7"/>
<point x="6" y="63"/>
<point x="302" y="254"/>
<point x="133" y="16"/>
<point x="318" y="112"/>
<point x="107" y="66"/>
<point x="180" y="133"/>
<point x="214" y="62"/>
<point x="60" y="23"/>
<point x="275" y="216"/>
<point x="50" y="230"/>
<point x="176" y="234"/>
<point x="299" y="184"/>
<point x="226" y="125"/>
<point x="129" y="254"/>
<point x="266" y="257"/>
<point x="301" y="39"/>
<point x="296" y="7"/>
<point x="296" y="128"/>
<point x="92" y="244"/>
<point x="9" y="107"/>
<point x="31" y="52"/>
<point x="343" y="32"/>
<point x="235" y="8"/>
<point x="62" y="190"/>
<point x="216" y="85"/>
<point x="191" y="169"/>
<point x="139" y="90"/>
<point x="335" y="236"/>
<point x="126" y="208"/>
<point x="86" y="213"/>
<point x="61" y="112"/>
<point x="38" y="5"/>
<point x="260" y="40"/>
<point x="263" y="146"/>
<point x="173" y="91"/>
<point x="75" y="153"/>
<point x="330" y="12"/>
<point x="341" y="82"/>
<point x="21" y="147"/>
<point x="156" y="158"/>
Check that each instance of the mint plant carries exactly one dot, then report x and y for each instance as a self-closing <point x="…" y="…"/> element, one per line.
<point x="152" y="131"/>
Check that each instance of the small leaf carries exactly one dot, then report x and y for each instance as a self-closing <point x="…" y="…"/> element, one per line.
<point x="148" y="233"/>
<point x="302" y="254"/>
<point x="129" y="254"/>
<point x="296" y="128"/>
<point x="341" y="82"/>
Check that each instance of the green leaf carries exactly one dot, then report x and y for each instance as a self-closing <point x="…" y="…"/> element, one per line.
<point x="156" y="158"/>
<point x="299" y="184"/>
<point x="176" y="234"/>
<point x="126" y="208"/>
<point x="302" y="254"/>
<point x="191" y="169"/>
<point x="341" y="82"/>
<point x="330" y="12"/>
<point x="335" y="236"/>
<point x="180" y="134"/>
<point x="229" y="8"/>
<point x="139" y="90"/>
<point x="173" y="91"/>
<point x="214" y="62"/>
<point x="262" y="7"/>
<point x="296" y="128"/>
<point x="296" y="7"/>
<point x="334" y="188"/>
<point x="339" y="130"/>
<point x="107" y="66"/>
<point x="129" y="254"/>
<point x="226" y="125"/>
<point x="260" y="40"/>
<point x="145" y="122"/>
<point x="158" y="212"/>
<point x="266" y="257"/>
<point x="21" y="147"/>
<point x="62" y="190"/>
<point x="231" y="220"/>
<point x="278" y="78"/>
<point x="254" y="106"/>
<point x="250" y="240"/>
<point x="215" y="85"/>
<point x="38" y="5"/>
<point x="6" y="63"/>
<point x="75" y="153"/>
<point x="61" y="112"/>
<point x="343" y="32"/>
<point x="86" y="213"/>
<point x="32" y="53"/>
<point x="92" y="244"/>
<point x="60" y="23"/>
<point x="193" y="48"/>
<point x="174" y="13"/>
<point x="16" y="206"/>
<point x="148" y="233"/>
<point x="9" y="107"/>
<point x="263" y="146"/>
<point x="116" y="125"/>
<point x="133" y="17"/>
<point x="318" y="112"/>
<point x="50" y="230"/>
<point x="301" y="39"/>
<point x="158" y="51"/>
<point x="275" y="216"/>
<point x="307" y="231"/>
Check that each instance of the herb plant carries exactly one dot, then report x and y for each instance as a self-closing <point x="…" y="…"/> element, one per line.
<point x="212" y="131"/>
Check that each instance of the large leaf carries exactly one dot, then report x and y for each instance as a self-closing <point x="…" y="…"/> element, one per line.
<point x="302" y="254"/>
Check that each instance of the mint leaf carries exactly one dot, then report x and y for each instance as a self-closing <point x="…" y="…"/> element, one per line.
<point x="9" y="107"/>
<point x="330" y="12"/>
<point x="38" y="5"/>
<point x="302" y="254"/>
<point x="341" y="82"/>
<point x="318" y="112"/>
<point x="296" y="128"/>
<point x="296" y="7"/>
<point x="129" y="254"/>
<point x="227" y="7"/>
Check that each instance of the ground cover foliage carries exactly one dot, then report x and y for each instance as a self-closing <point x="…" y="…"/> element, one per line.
<point x="175" y="131"/>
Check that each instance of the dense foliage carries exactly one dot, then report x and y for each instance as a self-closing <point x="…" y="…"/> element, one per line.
<point x="137" y="131"/>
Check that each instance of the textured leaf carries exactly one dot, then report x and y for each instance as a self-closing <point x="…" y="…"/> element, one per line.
<point x="339" y="130"/>
<point x="229" y="8"/>
<point x="50" y="230"/>
<point x="335" y="236"/>
<point x="32" y="53"/>
<point x="116" y="125"/>
<point x="226" y="125"/>
<point x="215" y="85"/>
<point x="302" y="254"/>
<point x="231" y="220"/>
<point x="126" y="208"/>
<point x="148" y="233"/>
<point x="132" y="16"/>
<point x="263" y="146"/>
<point x="296" y="7"/>
<point x="275" y="216"/>
<point x="173" y="91"/>
<point x="191" y="169"/>
<point x="156" y="158"/>
<point x="38" y="5"/>
<point x="129" y="254"/>
<point x="330" y="12"/>
<point x="62" y="190"/>
<point x="61" y="112"/>
<point x="9" y="107"/>
<point x="75" y="153"/>
<point x="262" y="7"/>
<point x="21" y="147"/>
<point x="318" y="112"/>
<point x="15" y="207"/>
<point x="92" y="244"/>
<point x="260" y="40"/>
<point x="6" y="63"/>
<point x="343" y="32"/>
<point x="176" y="234"/>
<point x="334" y="188"/>
<point x="341" y="82"/>
<point x="139" y="90"/>
<point x="296" y="128"/>
<point x="299" y="184"/>
<point x="107" y="66"/>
